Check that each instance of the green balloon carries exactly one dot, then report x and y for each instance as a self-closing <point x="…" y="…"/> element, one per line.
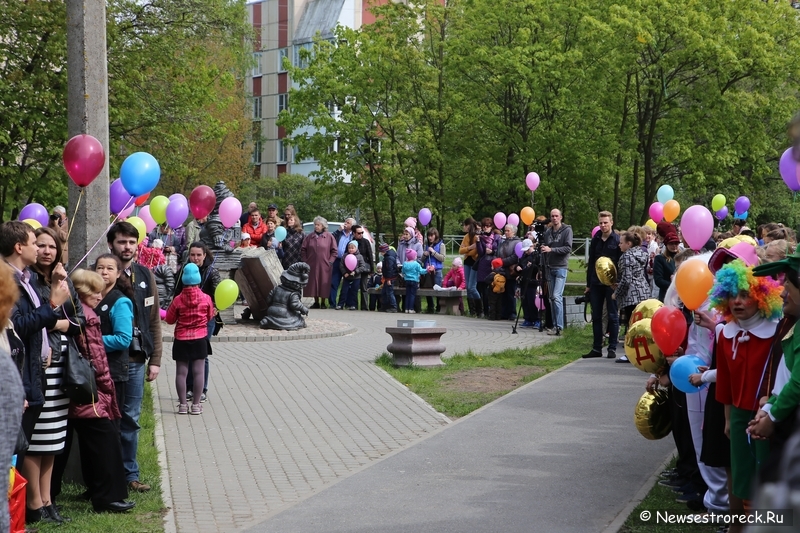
<point x="717" y="203"/>
<point x="226" y="294"/>
<point x="158" y="209"/>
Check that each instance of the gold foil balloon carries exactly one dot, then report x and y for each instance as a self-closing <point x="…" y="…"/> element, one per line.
<point x="646" y="309"/>
<point x="641" y="350"/>
<point x="606" y="271"/>
<point x="651" y="415"/>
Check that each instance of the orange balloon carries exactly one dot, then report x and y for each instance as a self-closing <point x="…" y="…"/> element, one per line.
<point x="671" y="210"/>
<point x="693" y="281"/>
<point x="527" y="215"/>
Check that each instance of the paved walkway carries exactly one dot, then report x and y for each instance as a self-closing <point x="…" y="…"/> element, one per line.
<point x="285" y="420"/>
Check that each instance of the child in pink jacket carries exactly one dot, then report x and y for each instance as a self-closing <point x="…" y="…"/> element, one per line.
<point x="455" y="278"/>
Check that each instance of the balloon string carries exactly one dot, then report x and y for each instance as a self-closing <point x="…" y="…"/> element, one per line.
<point x="116" y="217"/>
<point x="77" y="205"/>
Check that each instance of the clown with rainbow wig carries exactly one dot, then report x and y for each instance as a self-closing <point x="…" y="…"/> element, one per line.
<point x="752" y="308"/>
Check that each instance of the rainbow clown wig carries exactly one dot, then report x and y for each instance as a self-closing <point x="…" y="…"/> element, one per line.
<point x="736" y="277"/>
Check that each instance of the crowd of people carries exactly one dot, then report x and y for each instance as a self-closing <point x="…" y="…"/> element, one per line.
<point x="730" y="436"/>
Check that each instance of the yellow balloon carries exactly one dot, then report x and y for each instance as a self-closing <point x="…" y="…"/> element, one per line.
<point x="226" y="294"/>
<point x="527" y="215"/>
<point x="652" y="415"/>
<point x="651" y="224"/>
<point x="641" y="349"/>
<point x="138" y="223"/>
<point x="645" y="309"/>
<point x="158" y="209"/>
<point x="606" y="271"/>
<point x="718" y="202"/>
<point x="35" y="224"/>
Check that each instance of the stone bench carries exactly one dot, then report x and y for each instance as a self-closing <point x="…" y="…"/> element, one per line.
<point x="448" y="300"/>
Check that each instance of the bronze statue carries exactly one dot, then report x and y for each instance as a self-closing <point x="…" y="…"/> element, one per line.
<point x="285" y="310"/>
<point x="214" y="233"/>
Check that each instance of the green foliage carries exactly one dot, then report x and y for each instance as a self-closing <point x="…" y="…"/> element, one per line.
<point x="431" y="383"/>
<point x="606" y="100"/>
<point x="310" y="198"/>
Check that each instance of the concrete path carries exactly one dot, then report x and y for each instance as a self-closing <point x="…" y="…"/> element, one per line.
<point x="560" y="454"/>
<point x="287" y="419"/>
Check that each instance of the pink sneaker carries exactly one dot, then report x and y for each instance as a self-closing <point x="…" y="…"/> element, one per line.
<point x="197" y="409"/>
<point x="183" y="409"/>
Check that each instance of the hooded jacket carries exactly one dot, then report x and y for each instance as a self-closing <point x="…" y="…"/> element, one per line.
<point x="632" y="285"/>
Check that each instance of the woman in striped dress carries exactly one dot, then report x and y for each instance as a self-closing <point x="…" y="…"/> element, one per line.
<point x="50" y="432"/>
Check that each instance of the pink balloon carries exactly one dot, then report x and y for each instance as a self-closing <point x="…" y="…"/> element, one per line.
<point x="350" y="262"/>
<point x="513" y="219"/>
<point x="162" y="313"/>
<point x="84" y="159"/>
<point x="656" y="212"/>
<point x="697" y="225"/>
<point x="595" y="230"/>
<point x="149" y="223"/>
<point x="499" y="219"/>
<point x="230" y="209"/>
<point x="125" y="213"/>
<point x="532" y="180"/>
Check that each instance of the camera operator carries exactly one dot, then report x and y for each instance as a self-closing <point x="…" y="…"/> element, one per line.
<point x="556" y="251"/>
<point x="605" y="243"/>
<point x="59" y="222"/>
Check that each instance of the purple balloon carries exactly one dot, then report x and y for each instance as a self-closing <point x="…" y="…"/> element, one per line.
<point x="425" y="216"/>
<point x="37" y="212"/>
<point x="178" y="195"/>
<point x="518" y="249"/>
<point x="788" y="170"/>
<point x="118" y="197"/>
<point x="177" y="211"/>
<point x="722" y="213"/>
<point x="513" y="219"/>
<point x="742" y="204"/>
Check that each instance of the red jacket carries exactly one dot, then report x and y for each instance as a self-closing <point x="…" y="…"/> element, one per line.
<point x="91" y="346"/>
<point x="455" y="278"/>
<point x="255" y="233"/>
<point x="191" y="311"/>
<point x="741" y="356"/>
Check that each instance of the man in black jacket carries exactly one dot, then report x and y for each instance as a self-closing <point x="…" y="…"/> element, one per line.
<point x="343" y="236"/>
<point x="365" y="249"/>
<point x="605" y="243"/>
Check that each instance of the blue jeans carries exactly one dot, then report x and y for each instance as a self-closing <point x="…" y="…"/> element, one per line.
<point x="336" y="278"/>
<point x="555" y="283"/>
<point x="472" y="283"/>
<point x="129" y="425"/>
<point x="411" y="295"/>
<point x="387" y="296"/>
<point x="349" y="295"/>
<point x="598" y="296"/>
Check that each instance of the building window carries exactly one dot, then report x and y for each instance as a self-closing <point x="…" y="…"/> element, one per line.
<point x="257" y="108"/>
<point x="283" y="151"/>
<point x="257" y="64"/>
<point x="283" y="102"/>
<point x="299" y="61"/>
<point x="283" y="53"/>
<point x="257" y="152"/>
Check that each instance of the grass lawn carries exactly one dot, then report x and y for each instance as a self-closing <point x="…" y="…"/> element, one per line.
<point x="436" y="385"/>
<point x="146" y="517"/>
<point x="662" y="499"/>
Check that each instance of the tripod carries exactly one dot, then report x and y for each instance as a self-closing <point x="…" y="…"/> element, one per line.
<point x="526" y="275"/>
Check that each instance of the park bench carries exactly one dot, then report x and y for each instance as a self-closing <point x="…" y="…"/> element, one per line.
<point x="448" y="300"/>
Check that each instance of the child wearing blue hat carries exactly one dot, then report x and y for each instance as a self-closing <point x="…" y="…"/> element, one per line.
<point x="190" y="311"/>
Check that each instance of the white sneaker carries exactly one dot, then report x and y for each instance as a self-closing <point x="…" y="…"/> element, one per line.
<point x="411" y="312"/>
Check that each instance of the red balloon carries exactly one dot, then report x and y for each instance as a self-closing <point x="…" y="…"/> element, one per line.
<point x="142" y="199"/>
<point x="84" y="159"/>
<point x="202" y="201"/>
<point x="669" y="329"/>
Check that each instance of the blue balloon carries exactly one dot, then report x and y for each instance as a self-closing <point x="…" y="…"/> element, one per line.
<point x="280" y="233"/>
<point x="665" y="194"/>
<point x="680" y="370"/>
<point x="742" y="216"/>
<point x="140" y="173"/>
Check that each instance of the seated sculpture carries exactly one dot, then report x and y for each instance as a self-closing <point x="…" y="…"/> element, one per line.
<point x="286" y="310"/>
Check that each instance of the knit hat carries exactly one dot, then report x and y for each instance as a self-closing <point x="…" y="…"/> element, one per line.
<point x="668" y="233"/>
<point x="383" y="247"/>
<point x="410" y="230"/>
<point x="354" y="244"/>
<point x="411" y="255"/>
<point x="497" y="263"/>
<point x="457" y="262"/>
<point x="411" y="222"/>
<point x="191" y="274"/>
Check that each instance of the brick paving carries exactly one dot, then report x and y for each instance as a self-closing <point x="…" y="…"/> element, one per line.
<point x="284" y="420"/>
